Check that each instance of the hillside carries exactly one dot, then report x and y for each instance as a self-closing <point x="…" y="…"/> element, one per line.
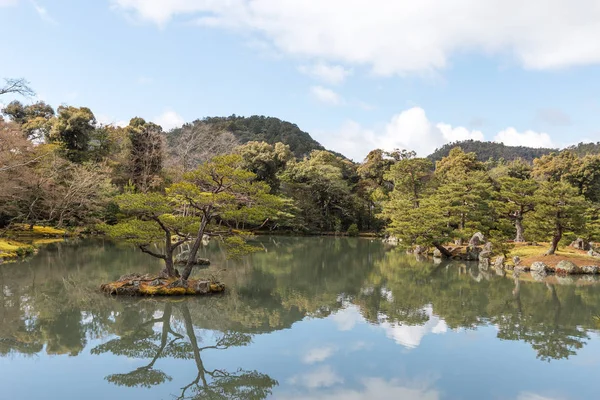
<point x="583" y="149"/>
<point x="267" y="129"/>
<point x="487" y="150"/>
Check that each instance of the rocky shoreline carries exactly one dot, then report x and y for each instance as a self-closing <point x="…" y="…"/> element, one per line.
<point x="479" y="250"/>
<point x="153" y="285"/>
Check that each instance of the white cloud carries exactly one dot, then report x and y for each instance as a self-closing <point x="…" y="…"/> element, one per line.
<point x="347" y="318"/>
<point x="326" y="96"/>
<point x="543" y="34"/>
<point x="410" y="336"/>
<point x="373" y="389"/>
<point x="318" y="354"/>
<point x="43" y="13"/>
<point x="332" y="74"/>
<point x="321" y="377"/>
<point x="459" y="133"/>
<point x="511" y="137"/>
<point x="535" y="396"/>
<point x="107" y="120"/>
<point x="169" y="120"/>
<point x="410" y="129"/>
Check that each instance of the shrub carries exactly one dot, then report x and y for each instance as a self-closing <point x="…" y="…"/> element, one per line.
<point x="353" y="230"/>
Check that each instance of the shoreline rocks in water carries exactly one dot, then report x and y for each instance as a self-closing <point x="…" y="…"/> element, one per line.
<point x="153" y="285"/>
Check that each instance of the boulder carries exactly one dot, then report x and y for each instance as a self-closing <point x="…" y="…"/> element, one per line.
<point x="539" y="268"/>
<point x="477" y="239"/>
<point x="485" y="255"/>
<point x="590" y="269"/>
<point x="437" y="254"/>
<point x="420" y="250"/>
<point x="566" y="268"/>
<point x="517" y="260"/>
<point x="499" y="262"/>
<point x="500" y="271"/>
<point x="202" y="287"/>
<point x="487" y="247"/>
<point x="473" y="253"/>
<point x="580" y="244"/>
<point x="593" y="253"/>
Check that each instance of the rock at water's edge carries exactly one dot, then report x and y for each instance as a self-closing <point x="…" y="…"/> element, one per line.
<point x="566" y="268"/>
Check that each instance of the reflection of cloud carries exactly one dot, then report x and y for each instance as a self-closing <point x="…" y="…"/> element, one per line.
<point x="346" y="318"/>
<point x="360" y="345"/>
<point x="387" y="294"/>
<point x="318" y="354"/>
<point x="534" y="396"/>
<point x="321" y="377"/>
<point x="410" y="336"/>
<point x="373" y="389"/>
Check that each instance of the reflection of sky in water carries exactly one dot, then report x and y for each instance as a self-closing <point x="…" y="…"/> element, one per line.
<point x="340" y="356"/>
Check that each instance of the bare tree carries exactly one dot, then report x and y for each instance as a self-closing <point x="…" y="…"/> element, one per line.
<point x="196" y="143"/>
<point x="17" y="86"/>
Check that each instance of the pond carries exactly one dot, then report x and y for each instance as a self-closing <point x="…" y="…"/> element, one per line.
<point x="306" y="318"/>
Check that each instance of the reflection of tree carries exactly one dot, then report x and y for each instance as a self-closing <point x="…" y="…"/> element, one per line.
<point x="145" y="342"/>
<point x="49" y="303"/>
<point x="538" y="317"/>
<point x="219" y="384"/>
<point x="141" y="344"/>
<point x="552" y="319"/>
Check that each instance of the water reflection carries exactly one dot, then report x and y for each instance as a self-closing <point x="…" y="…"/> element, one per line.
<point x="176" y="338"/>
<point x="48" y="306"/>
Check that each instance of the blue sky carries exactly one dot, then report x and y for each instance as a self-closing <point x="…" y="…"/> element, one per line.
<point x="355" y="74"/>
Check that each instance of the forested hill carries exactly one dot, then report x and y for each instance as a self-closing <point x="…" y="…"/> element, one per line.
<point x="583" y="149"/>
<point x="487" y="150"/>
<point x="265" y="129"/>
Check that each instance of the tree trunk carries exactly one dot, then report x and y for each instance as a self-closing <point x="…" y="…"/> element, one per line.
<point x="520" y="238"/>
<point x="442" y="249"/>
<point x="169" y="269"/>
<point x="555" y="239"/>
<point x="195" y="247"/>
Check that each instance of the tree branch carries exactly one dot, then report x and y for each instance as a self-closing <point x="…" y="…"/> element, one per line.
<point x="144" y="249"/>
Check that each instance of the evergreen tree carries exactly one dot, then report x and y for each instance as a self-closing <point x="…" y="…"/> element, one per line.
<point x="558" y="209"/>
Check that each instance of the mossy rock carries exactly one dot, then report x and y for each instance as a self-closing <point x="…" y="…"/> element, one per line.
<point x="566" y="267"/>
<point x="148" y="285"/>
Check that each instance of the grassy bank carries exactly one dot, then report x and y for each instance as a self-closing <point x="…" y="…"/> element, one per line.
<point x="22" y="230"/>
<point x="530" y="254"/>
<point x="10" y="249"/>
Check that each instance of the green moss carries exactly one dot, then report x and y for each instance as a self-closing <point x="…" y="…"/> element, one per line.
<point x="24" y="230"/>
<point x="13" y="249"/>
<point x="145" y="288"/>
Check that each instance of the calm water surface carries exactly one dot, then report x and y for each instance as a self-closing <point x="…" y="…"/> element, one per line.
<point x="308" y="318"/>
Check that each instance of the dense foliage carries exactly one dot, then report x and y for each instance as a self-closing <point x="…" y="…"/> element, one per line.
<point x="63" y="168"/>
<point x="487" y="150"/>
<point x="554" y="199"/>
<point x="259" y="128"/>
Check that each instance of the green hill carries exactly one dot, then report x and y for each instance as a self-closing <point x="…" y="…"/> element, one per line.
<point x="267" y="129"/>
<point x="487" y="150"/>
<point x="583" y="149"/>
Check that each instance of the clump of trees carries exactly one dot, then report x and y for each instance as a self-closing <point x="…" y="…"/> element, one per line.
<point x="62" y="167"/>
<point x="553" y="200"/>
